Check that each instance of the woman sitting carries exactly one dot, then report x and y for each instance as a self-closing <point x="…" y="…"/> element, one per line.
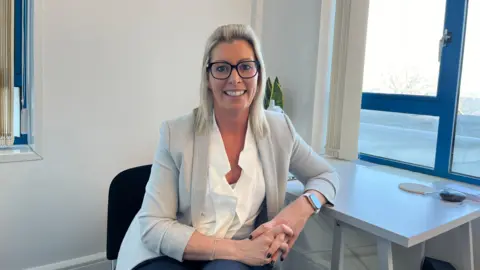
<point x="217" y="187"/>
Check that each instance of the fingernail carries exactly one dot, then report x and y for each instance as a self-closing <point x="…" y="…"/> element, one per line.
<point x="269" y="255"/>
<point x="272" y="263"/>
<point x="250" y="237"/>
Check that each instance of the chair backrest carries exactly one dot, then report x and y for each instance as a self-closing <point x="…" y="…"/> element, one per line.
<point x="125" y="197"/>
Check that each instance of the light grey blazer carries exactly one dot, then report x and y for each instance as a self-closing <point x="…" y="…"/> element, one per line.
<point x="176" y="189"/>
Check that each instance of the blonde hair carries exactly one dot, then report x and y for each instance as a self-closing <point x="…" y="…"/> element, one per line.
<point x="204" y="113"/>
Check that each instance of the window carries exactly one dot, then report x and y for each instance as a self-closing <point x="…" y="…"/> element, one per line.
<point x="13" y="12"/>
<point x="421" y="96"/>
<point x="19" y="66"/>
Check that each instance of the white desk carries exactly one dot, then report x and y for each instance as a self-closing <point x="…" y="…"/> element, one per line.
<point x="370" y="200"/>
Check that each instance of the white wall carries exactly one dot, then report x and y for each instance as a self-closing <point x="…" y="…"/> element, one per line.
<point x="290" y="36"/>
<point x="113" y="70"/>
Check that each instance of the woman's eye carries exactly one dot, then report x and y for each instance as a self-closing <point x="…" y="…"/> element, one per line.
<point x="245" y="67"/>
<point x="221" y="69"/>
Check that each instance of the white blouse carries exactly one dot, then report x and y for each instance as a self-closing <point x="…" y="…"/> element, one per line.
<point x="230" y="210"/>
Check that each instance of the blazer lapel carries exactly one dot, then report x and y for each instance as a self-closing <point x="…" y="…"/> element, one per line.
<point x="199" y="175"/>
<point x="265" y="150"/>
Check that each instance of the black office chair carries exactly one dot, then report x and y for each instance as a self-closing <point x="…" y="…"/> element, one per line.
<point x="125" y="197"/>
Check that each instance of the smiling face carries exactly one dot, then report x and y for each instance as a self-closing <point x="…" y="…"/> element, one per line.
<point x="234" y="92"/>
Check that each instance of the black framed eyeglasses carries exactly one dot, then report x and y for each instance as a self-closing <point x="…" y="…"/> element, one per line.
<point x="222" y="70"/>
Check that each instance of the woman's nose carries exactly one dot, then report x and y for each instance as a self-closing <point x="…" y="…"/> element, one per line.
<point x="234" y="77"/>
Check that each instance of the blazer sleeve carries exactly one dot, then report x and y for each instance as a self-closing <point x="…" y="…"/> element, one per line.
<point x="311" y="169"/>
<point x="160" y="231"/>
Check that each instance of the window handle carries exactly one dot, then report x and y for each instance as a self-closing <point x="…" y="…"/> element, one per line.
<point x="446" y="38"/>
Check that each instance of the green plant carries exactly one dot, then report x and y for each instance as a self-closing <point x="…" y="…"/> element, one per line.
<point x="273" y="92"/>
<point x="268" y="93"/>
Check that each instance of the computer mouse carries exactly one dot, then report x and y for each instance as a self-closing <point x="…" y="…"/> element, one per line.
<point x="452" y="195"/>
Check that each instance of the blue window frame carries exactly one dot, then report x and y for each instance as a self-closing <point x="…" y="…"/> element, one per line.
<point x="443" y="105"/>
<point x="19" y="60"/>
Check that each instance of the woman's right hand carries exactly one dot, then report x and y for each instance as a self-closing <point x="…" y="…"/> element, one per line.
<point x="259" y="251"/>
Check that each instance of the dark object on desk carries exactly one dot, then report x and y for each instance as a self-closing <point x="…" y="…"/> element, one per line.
<point x="433" y="264"/>
<point x="452" y="195"/>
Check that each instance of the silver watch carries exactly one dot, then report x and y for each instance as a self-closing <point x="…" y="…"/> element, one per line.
<point x="313" y="200"/>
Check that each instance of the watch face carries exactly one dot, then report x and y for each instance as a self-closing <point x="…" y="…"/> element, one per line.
<point x="315" y="201"/>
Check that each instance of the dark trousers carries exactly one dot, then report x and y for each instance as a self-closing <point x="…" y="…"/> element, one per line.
<point x="167" y="263"/>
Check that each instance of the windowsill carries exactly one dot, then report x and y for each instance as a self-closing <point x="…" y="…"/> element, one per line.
<point x="18" y="153"/>
<point x="427" y="179"/>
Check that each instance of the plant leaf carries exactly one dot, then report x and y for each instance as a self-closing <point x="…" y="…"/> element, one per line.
<point x="277" y="93"/>
<point x="268" y="93"/>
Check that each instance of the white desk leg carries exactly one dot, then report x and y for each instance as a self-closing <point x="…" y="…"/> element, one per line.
<point x="455" y="247"/>
<point x="384" y="254"/>
<point x="338" y="247"/>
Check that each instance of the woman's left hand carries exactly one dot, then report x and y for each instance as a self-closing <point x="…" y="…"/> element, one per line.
<point x="295" y="215"/>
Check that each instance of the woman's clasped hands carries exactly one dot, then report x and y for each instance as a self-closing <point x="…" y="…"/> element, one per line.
<point x="265" y="245"/>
